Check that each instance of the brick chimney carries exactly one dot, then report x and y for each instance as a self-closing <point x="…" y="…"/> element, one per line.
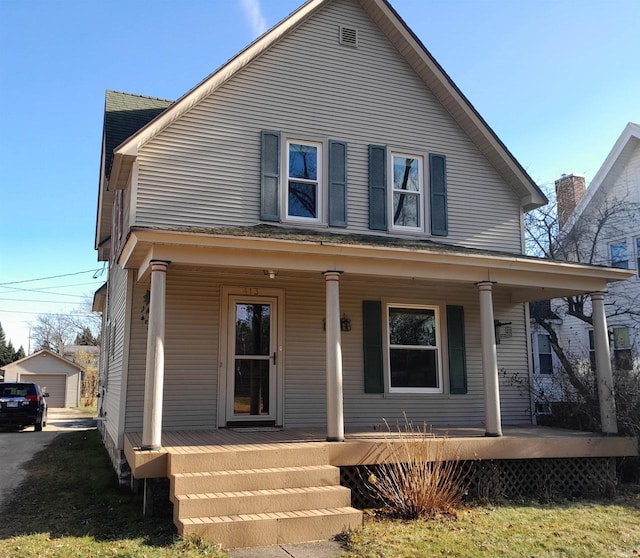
<point x="569" y="190"/>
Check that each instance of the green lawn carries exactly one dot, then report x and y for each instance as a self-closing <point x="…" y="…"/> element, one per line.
<point x="70" y="505"/>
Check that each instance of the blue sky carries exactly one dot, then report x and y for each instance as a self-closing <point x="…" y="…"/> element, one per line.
<point x="556" y="80"/>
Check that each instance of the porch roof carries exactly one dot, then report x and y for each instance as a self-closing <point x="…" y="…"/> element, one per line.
<point x="272" y="247"/>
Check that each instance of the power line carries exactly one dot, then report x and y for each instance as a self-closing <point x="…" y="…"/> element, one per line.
<point x="86" y="314"/>
<point x="51" y="277"/>
<point x="38" y="291"/>
<point x="43" y="291"/>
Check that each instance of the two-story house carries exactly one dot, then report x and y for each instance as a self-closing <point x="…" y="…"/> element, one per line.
<point x="601" y="225"/>
<point x="322" y="234"/>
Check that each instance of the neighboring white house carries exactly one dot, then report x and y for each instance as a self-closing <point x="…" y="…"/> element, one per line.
<point x="614" y="190"/>
<point x="56" y="375"/>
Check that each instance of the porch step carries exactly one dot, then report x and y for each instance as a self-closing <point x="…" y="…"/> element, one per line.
<point x="250" y="457"/>
<point x="260" y="501"/>
<point x="255" y="479"/>
<point x="260" y="494"/>
<point x="266" y="529"/>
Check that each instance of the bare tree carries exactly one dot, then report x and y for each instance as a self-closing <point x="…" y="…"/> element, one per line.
<point x="583" y="240"/>
<point x="54" y="331"/>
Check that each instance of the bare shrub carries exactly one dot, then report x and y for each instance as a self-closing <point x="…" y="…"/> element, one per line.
<point x="420" y="479"/>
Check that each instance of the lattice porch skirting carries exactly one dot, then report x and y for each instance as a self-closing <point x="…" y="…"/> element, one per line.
<point x="511" y="478"/>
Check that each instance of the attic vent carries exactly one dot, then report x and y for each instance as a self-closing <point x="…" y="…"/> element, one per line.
<point x="348" y="36"/>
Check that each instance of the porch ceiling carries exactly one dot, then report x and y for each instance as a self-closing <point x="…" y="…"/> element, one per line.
<point x="269" y="247"/>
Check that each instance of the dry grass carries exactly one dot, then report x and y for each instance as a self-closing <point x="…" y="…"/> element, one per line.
<point x="70" y="505"/>
<point x="420" y="480"/>
<point x="571" y="529"/>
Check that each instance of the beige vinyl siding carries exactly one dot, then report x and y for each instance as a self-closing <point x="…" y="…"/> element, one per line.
<point x="114" y="348"/>
<point x="192" y="344"/>
<point x="305" y="380"/>
<point x="191" y="353"/>
<point x="203" y="170"/>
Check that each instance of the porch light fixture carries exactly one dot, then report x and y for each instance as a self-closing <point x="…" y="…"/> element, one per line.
<point x="503" y="330"/>
<point x="272" y="273"/>
<point x="345" y="323"/>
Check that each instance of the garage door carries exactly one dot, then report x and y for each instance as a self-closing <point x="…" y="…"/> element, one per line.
<point x="54" y="384"/>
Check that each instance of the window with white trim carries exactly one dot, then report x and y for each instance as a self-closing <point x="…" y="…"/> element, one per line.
<point x="406" y="192"/>
<point x="622" y="356"/>
<point x="619" y="254"/>
<point x="638" y="256"/>
<point x="303" y="194"/>
<point x="413" y="349"/>
<point x="543" y="359"/>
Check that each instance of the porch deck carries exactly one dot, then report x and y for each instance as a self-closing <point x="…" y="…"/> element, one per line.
<point x="370" y="447"/>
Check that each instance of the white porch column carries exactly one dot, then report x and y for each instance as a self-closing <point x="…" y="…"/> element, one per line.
<point x="154" y="377"/>
<point x="604" y="376"/>
<point x="493" y="424"/>
<point x="335" y="418"/>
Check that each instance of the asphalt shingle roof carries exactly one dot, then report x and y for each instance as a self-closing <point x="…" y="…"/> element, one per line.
<point x="124" y="115"/>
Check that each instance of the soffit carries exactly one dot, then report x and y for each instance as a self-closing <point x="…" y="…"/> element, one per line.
<point x="264" y="247"/>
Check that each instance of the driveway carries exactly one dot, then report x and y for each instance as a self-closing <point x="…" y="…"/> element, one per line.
<point x="19" y="447"/>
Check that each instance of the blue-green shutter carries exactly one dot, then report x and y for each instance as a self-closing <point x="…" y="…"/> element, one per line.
<point x="457" y="351"/>
<point x="337" y="183"/>
<point x="438" y="189"/>
<point x="270" y="176"/>
<point x="372" y="344"/>
<point x="378" y="187"/>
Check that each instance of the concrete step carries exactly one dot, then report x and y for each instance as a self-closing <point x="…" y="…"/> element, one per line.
<point x="258" y="456"/>
<point x="259" y="501"/>
<point x="263" y="529"/>
<point x="255" y="479"/>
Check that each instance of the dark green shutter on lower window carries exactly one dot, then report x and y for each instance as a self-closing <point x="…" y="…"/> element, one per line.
<point x="372" y="344"/>
<point x="337" y="183"/>
<point x="457" y="351"/>
<point x="378" y="187"/>
<point x="270" y="176"/>
<point x="438" y="189"/>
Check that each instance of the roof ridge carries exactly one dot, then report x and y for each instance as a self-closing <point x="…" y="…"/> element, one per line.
<point x="140" y="96"/>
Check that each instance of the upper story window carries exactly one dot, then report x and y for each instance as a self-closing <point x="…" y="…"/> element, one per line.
<point x="638" y="255"/>
<point x="619" y="254"/>
<point x="304" y="180"/>
<point x="400" y="199"/>
<point x="413" y="349"/>
<point x="292" y="185"/>
<point x="407" y="192"/>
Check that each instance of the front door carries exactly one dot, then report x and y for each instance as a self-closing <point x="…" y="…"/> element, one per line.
<point x="253" y="357"/>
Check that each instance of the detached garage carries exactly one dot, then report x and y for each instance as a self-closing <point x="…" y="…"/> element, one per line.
<point x="54" y="374"/>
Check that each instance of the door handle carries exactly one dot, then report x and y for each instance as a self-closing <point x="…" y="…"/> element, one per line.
<point x="275" y="357"/>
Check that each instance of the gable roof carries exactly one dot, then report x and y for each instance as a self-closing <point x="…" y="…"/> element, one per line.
<point x="624" y="146"/>
<point x="43" y="352"/>
<point x="418" y="57"/>
<point x="124" y="115"/>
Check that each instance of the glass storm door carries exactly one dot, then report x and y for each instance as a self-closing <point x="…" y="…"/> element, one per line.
<point x="252" y="359"/>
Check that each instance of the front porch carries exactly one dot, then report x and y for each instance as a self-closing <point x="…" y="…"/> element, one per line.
<point x="256" y="487"/>
<point x="368" y="448"/>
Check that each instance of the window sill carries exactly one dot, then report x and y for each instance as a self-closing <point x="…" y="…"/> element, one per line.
<point x="414" y="391"/>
